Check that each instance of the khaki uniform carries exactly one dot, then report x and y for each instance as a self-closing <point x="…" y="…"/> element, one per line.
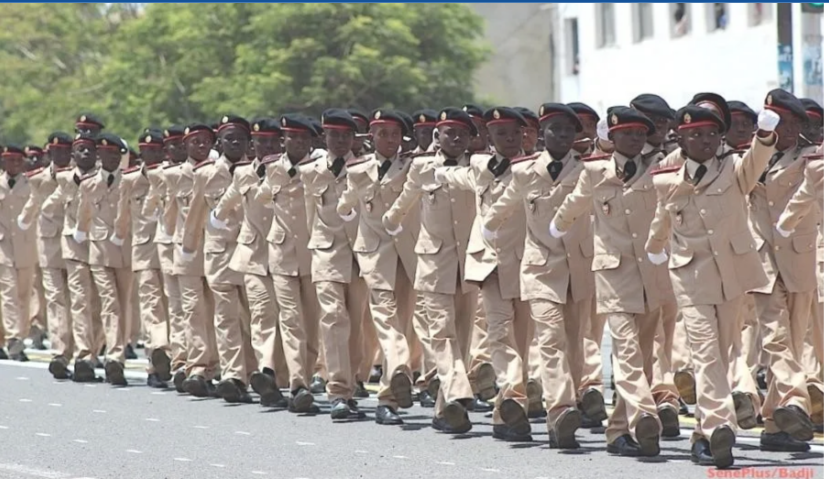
<point x="289" y="263"/>
<point x="712" y="263"/>
<point x="18" y="257"/>
<point x="250" y="258"/>
<point x="135" y="187"/>
<point x="629" y="289"/>
<point x="50" y="258"/>
<point x="560" y="304"/>
<point x="448" y="303"/>
<point x="109" y="263"/>
<point x="387" y="263"/>
<point x="231" y="316"/>
<point x="784" y="299"/>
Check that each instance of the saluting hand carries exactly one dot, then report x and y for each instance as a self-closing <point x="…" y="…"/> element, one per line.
<point x="767" y="120"/>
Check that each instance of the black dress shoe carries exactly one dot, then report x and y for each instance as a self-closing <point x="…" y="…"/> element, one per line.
<point x="139" y="345"/>
<point x="115" y="373"/>
<point x="155" y="382"/>
<point x="234" y="391"/>
<point x="37" y="341"/>
<point x="520" y="433"/>
<point x="360" y="390"/>
<point x="479" y="405"/>
<point x="721" y="443"/>
<point x="178" y="380"/>
<point x="161" y="364"/>
<point x="20" y="357"/>
<point x="486" y="380"/>
<point x="426" y="400"/>
<point x="401" y="389"/>
<point x="592" y="405"/>
<point x="761" y="379"/>
<point x="129" y="353"/>
<point x="563" y="434"/>
<point x="587" y="423"/>
<point x="59" y="368"/>
<point x="262" y="383"/>
<point x="3" y="355"/>
<point x="624" y="445"/>
<point x="197" y="386"/>
<point x="647" y="435"/>
<point x="302" y="401"/>
<point x="456" y="417"/>
<point x="795" y="422"/>
<point x="433" y="387"/>
<point x="746" y="417"/>
<point x="84" y="372"/>
<point x="354" y="410"/>
<point x="375" y="374"/>
<point x="701" y="453"/>
<point x="513" y="415"/>
<point x="686" y="384"/>
<point x="317" y="385"/>
<point x="339" y="409"/>
<point x="536" y="411"/>
<point x="440" y="424"/>
<point x="782" y="442"/>
<point x="386" y="416"/>
<point x="670" y="421"/>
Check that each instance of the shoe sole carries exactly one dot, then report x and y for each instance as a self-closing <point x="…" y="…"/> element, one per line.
<point x="401" y="389"/>
<point x="565" y="430"/>
<point x="115" y="374"/>
<point x="776" y="448"/>
<point x="161" y="364"/>
<point x="228" y="391"/>
<point x="512" y="413"/>
<point x="486" y="379"/>
<point x="433" y="388"/>
<point x="262" y="384"/>
<point x="592" y="404"/>
<point x="178" y="381"/>
<point x="792" y="423"/>
<point x="647" y="436"/>
<point x="746" y="418"/>
<point x="196" y="389"/>
<point x="456" y="418"/>
<point x="684" y="382"/>
<point x="722" y="440"/>
<point x="303" y="402"/>
<point x="816" y="398"/>
<point x="58" y="369"/>
<point x="340" y="414"/>
<point x="670" y="422"/>
<point x="84" y="373"/>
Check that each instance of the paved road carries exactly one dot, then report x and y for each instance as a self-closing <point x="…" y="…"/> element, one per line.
<point x="72" y="431"/>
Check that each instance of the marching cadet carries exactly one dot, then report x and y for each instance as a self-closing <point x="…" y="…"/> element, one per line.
<point x="289" y="259"/>
<point x="589" y="120"/>
<point x="409" y="139"/>
<point x="18" y="253"/>
<point x="480" y="142"/>
<point x="110" y="256"/>
<point x="448" y="302"/>
<point x="135" y="186"/>
<point x="712" y="260"/>
<point x="36" y="161"/>
<point x="424" y="129"/>
<point x="88" y="124"/>
<point x="812" y="133"/>
<point x="491" y="264"/>
<point x="231" y="315"/>
<point x="783" y="302"/>
<point x="529" y="140"/>
<point x="629" y="290"/>
<point x="35" y="157"/>
<point x="360" y="118"/>
<point x="559" y="304"/>
<point x="387" y="263"/>
<point x="63" y="202"/>
<point x="743" y="124"/>
<point x="251" y="259"/>
<point x="43" y="183"/>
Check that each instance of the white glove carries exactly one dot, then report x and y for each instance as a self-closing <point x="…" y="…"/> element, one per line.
<point x="217" y="223"/>
<point x="185" y="255"/>
<point x="396" y="231"/>
<point x="602" y="129"/>
<point x="658" y="259"/>
<point x="783" y="232"/>
<point x="350" y="216"/>
<point x="20" y="224"/>
<point x="489" y="235"/>
<point x="79" y="236"/>
<point x="554" y="232"/>
<point x="767" y="120"/>
<point x="440" y="175"/>
<point x="116" y="240"/>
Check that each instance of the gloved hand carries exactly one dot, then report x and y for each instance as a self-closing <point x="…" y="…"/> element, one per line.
<point x="440" y="175"/>
<point x="20" y="224"/>
<point x="79" y="236"/>
<point x="217" y="223"/>
<point x="489" y="235"/>
<point x="185" y="255"/>
<point x="350" y="216"/>
<point x="783" y="232"/>
<point x="554" y="232"/>
<point x="116" y="240"/>
<point x="767" y="120"/>
<point x="658" y="259"/>
<point x="602" y="129"/>
<point x="391" y="228"/>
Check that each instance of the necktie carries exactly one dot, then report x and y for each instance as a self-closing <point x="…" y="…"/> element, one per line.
<point x="12" y="181"/>
<point x="701" y="171"/>
<point x="337" y="166"/>
<point x="554" y="168"/>
<point x="497" y="168"/>
<point x="260" y="171"/>
<point x="450" y="162"/>
<point x="772" y="162"/>
<point x="76" y="179"/>
<point x="110" y="180"/>
<point x="384" y="168"/>
<point x="628" y="171"/>
<point x="292" y="172"/>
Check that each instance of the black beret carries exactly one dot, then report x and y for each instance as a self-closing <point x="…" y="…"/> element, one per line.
<point x="197" y="127"/>
<point x="529" y="116"/>
<point x="584" y="109"/>
<point x="716" y="101"/>
<point x="456" y="116"/>
<point x="133" y="154"/>
<point x="692" y="115"/>
<point x="13" y="150"/>
<point x="812" y="107"/>
<point x="265" y="126"/>
<point x="380" y="117"/>
<point x="358" y="116"/>
<point x="33" y="150"/>
<point x="653" y="105"/>
<point x="84" y="138"/>
<point x="89" y="120"/>
<point x="59" y="138"/>
<point x="233" y="120"/>
<point x="549" y="110"/>
<point x="425" y="117"/>
<point x="298" y="123"/>
<point x="214" y="127"/>
<point x="338" y="119"/>
<point x="503" y="114"/>
<point x="408" y="119"/>
<point x="474" y="110"/>
<point x="781" y="100"/>
<point x="150" y="139"/>
<point x="740" y="107"/>
<point x="173" y="132"/>
<point x="621" y="117"/>
<point x="109" y="140"/>
<point x="317" y="126"/>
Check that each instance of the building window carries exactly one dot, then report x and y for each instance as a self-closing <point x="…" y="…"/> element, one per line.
<point x="571" y="43"/>
<point x="642" y="21"/>
<point x="680" y="19"/>
<point x="717" y="16"/>
<point x="606" y="25"/>
<point x="758" y="13"/>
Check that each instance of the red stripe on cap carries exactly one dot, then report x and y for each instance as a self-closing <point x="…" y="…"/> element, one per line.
<point x="82" y="123"/>
<point x="172" y="137"/>
<point x="696" y="123"/>
<point x="550" y="115"/>
<point x="336" y="127"/>
<point x="425" y="124"/>
<point x="84" y="140"/>
<point x="502" y="120"/>
<point x="453" y="122"/>
<point x="288" y="128"/>
<point x="149" y="145"/>
<point x="58" y="145"/>
<point x="359" y="118"/>
<point x="265" y="133"/>
<point x="814" y="113"/>
<point x="708" y="102"/>
<point x="228" y="125"/>
<point x="109" y="147"/>
<point x="628" y="126"/>
<point x="12" y="154"/>
<point x="195" y="132"/>
<point x="588" y="115"/>
<point x="384" y="122"/>
<point x="778" y="109"/>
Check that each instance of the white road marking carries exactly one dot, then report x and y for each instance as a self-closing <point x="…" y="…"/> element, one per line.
<point x="360" y="452"/>
<point x="81" y="441"/>
<point x="4" y="427"/>
<point x="152" y="419"/>
<point x="486" y="469"/>
<point x="89" y="385"/>
<point x="54" y="404"/>
<point x="201" y="427"/>
<point x="182" y="459"/>
<point x="258" y="473"/>
<point x="158" y="393"/>
<point x="400" y="457"/>
<point x="42" y="434"/>
<point x="22" y="470"/>
<point x="22" y="378"/>
<point x="446" y="463"/>
<point x="300" y="443"/>
<point x="133" y="451"/>
<point x="25" y="400"/>
<point x="242" y="433"/>
<point x="218" y="465"/>
<point x="99" y="411"/>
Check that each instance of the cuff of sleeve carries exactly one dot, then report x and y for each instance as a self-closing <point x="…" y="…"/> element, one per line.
<point x="116" y="240"/>
<point x="782" y="232"/>
<point x="216" y="222"/>
<point x="22" y="225"/>
<point x="350" y="216"/>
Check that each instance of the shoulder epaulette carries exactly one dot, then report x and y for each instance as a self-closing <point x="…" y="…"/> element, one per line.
<point x="65" y="168"/>
<point x="203" y="163"/>
<point x="152" y="167"/>
<point x="814" y="156"/>
<point x="306" y="161"/>
<point x="594" y="157"/>
<point x="669" y="169"/>
<point x="132" y="169"/>
<point x="89" y="176"/>
<point x="652" y="153"/>
<point x="34" y="172"/>
<point x="172" y="166"/>
<point x="407" y="154"/>
<point x="242" y="163"/>
<point x="270" y="159"/>
<point x="358" y="160"/>
<point x="424" y="153"/>
<point x="521" y="159"/>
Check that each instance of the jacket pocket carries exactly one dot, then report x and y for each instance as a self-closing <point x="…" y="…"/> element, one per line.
<point x="535" y="256"/>
<point x="427" y="246"/>
<point x="606" y="261"/>
<point x="320" y="240"/>
<point x="586" y="247"/>
<point x="246" y="237"/>
<point x="276" y="236"/>
<point x="803" y="243"/>
<point x="140" y="239"/>
<point x="366" y="243"/>
<point x="742" y="243"/>
<point x="214" y="246"/>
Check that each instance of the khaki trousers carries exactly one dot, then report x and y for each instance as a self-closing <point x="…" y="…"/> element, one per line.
<point x="37" y="308"/>
<point x="391" y="312"/>
<point x="264" y="327"/>
<point x="681" y="354"/>
<point x="342" y="306"/>
<point x="370" y="349"/>
<point x="560" y="332"/>
<point x="84" y="333"/>
<point x="784" y="319"/>
<point x="443" y="336"/>
<point x="662" y="383"/>
<point x="633" y="341"/>
<point x="479" y="345"/>
<point x="535" y="368"/>
<point x="153" y="312"/>
<point x="592" y="374"/>
<point x="752" y="341"/>
<point x="135" y="324"/>
<point x="178" y="327"/>
<point x="420" y="327"/>
<point x="711" y="334"/>
<point x="813" y="346"/>
<point x="231" y="320"/>
<point x="114" y="287"/>
<point x="16" y="294"/>
<point x="299" y="326"/>
<point x="507" y="350"/>
<point x="58" y="314"/>
<point x="200" y="337"/>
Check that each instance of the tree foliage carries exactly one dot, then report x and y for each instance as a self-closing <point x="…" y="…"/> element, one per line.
<point x="176" y="63"/>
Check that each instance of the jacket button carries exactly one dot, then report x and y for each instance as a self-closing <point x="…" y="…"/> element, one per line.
<point x="716" y="254"/>
<point x="635" y="235"/>
<point x="627" y="212"/>
<point x="639" y="259"/>
<point x="776" y="248"/>
<point x="771" y="203"/>
<point x="702" y="211"/>
<point x="710" y="232"/>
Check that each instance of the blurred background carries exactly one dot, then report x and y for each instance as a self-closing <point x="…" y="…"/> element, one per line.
<point x="137" y="65"/>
